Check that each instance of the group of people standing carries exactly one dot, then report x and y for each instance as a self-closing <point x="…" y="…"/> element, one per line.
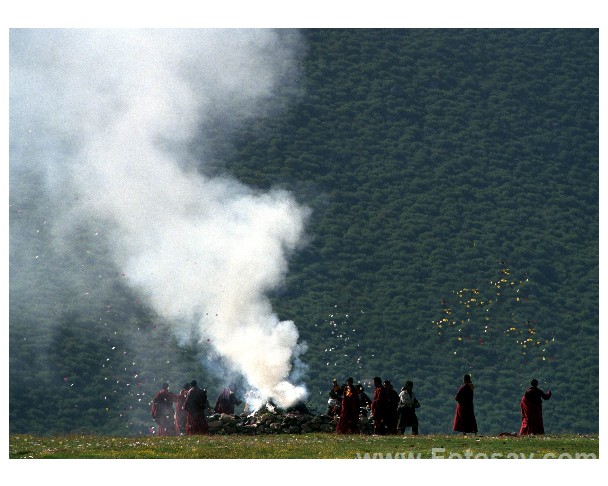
<point x="391" y="411"/>
<point x="531" y="405"/>
<point x="394" y="412"/>
<point x="184" y="413"/>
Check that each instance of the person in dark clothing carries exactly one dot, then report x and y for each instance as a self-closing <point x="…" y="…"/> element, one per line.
<point x="334" y="402"/>
<point x="532" y="410"/>
<point x="365" y="402"/>
<point x="464" y="418"/>
<point x="392" y="415"/>
<point x="408" y="403"/>
<point x="196" y="405"/>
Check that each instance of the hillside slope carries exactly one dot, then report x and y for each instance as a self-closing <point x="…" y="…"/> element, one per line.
<point x="453" y="177"/>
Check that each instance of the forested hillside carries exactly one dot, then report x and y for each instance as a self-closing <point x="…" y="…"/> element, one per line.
<point x="453" y="181"/>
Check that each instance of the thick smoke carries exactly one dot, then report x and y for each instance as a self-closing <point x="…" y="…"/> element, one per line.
<point x="108" y="116"/>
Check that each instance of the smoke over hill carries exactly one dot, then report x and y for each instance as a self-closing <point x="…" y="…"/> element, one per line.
<point x="102" y="120"/>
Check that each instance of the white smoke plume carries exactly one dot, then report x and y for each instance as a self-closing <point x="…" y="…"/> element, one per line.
<point x="108" y="114"/>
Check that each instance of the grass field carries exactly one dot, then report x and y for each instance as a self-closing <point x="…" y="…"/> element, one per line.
<point x="305" y="446"/>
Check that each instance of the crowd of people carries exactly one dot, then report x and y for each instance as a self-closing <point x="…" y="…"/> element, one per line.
<point x="391" y="412"/>
<point x="185" y="413"/>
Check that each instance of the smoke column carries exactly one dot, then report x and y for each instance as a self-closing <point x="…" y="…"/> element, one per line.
<point x="107" y="116"/>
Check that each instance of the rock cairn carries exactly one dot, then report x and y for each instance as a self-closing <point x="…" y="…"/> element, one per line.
<point x="278" y="422"/>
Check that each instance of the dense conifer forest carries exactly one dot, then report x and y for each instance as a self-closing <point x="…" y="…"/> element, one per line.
<point x="453" y="182"/>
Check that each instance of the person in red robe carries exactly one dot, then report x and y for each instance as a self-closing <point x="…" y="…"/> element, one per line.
<point x="180" y="414"/>
<point x="464" y="418"/>
<point x="196" y="405"/>
<point x="379" y="407"/>
<point x="532" y="410"/>
<point x="226" y="402"/>
<point x="162" y="411"/>
<point x="349" y="413"/>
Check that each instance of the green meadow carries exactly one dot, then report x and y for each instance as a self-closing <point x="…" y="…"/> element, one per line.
<point x="305" y="446"/>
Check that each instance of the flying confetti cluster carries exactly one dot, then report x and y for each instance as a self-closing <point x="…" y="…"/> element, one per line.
<point x="342" y="351"/>
<point x="122" y="391"/>
<point x="484" y="315"/>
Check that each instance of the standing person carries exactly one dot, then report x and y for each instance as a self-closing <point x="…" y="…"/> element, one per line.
<point x="464" y="419"/>
<point x="392" y="415"/>
<point x="226" y="401"/>
<point x="365" y="402"/>
<point x="162" y="411"/>
<point x="380" y="407"/>
<point x="532" y="410"/>
<point x="408" y="403"/>
<point x="334" y="402"/>
<point x="180" y="414"/>
<point x="196" y="405"/>
<point x="349" y="414"/>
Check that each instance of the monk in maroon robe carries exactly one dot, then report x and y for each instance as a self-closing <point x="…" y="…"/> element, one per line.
<point x="379" y="407"/>
<point x="532" y="410"/>
<point x="162" y="411"/>
<point x="226" y="402"/>
<point x="180" y="414"/>
<point x="464" y="419"/>
<point x="349" y="413"/>
<point x="196" y="405"/>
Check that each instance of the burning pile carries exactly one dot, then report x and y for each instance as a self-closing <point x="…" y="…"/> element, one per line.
<point x="278" y="422"/>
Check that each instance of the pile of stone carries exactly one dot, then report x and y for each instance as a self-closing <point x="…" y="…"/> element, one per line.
<point x="277" y="422"/>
